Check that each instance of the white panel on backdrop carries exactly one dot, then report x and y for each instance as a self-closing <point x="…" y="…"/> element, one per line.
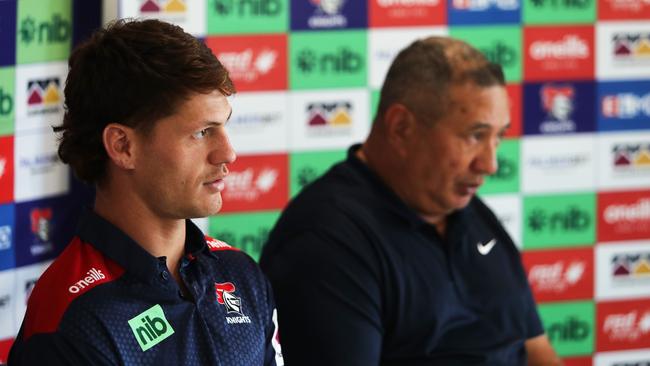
<point x="38" y="171"/>
<point x="624" y="160"/>
<point x="622" y="51"/>
<point x="39" y="96"/>
<point x="558" y="163"/>
<point x="189" y="14"/>
<point x="622" y="269"/>
<point x="7" y="304"/>
<point x="638" y="357"/>
<point x="26" y="278"/>
<point x="332" y="119"/>
<point x="384" y="44"/>
<point x="259" y="122"/>
<point x="508" y="209"/>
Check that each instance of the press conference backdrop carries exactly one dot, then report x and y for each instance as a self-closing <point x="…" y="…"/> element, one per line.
<point x="573" y="185"/>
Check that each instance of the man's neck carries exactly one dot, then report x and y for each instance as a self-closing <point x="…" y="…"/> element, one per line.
<point x="158" y="236"/>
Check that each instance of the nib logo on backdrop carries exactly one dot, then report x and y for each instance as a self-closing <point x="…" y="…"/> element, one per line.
<point x="56" y="30"/>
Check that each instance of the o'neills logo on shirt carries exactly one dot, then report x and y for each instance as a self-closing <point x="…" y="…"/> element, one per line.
<point x="92" y="276"/>
<point x="569" y="47"/>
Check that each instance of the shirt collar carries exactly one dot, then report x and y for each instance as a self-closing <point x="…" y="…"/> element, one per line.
<point x="123" y="250"/>
<point x="389" y="196"/>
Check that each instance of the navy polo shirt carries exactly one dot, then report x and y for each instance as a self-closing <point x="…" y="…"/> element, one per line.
<point x="106" y="301"/>
<point x="361" y="279"/>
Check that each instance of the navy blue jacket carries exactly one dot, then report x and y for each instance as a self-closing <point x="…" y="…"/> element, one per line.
<point x="106" y="301"/>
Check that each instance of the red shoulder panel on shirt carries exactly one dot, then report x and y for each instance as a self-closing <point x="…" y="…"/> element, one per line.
<point x="78" y="269"/>
<point x="216" y="244"/>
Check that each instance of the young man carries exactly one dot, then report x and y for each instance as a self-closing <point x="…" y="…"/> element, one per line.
<point x="389" y="258"/>
<point x="140" y="284"/>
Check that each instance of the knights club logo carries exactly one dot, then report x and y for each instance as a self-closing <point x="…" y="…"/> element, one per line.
<point x="40" y="219"/>
<point x="226" y="296"/>
<point x="558" y="103"/>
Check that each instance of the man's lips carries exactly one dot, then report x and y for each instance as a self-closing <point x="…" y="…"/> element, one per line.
<point x="217" y="184"/>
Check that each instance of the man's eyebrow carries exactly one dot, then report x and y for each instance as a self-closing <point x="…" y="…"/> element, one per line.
<point x="216" y="123"/>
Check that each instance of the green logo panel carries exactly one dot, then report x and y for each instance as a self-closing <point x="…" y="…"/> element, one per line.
<point x="506" y="179"/>
<point x="305" y="167"/>
<point x="247" y="232"/>
<point x="374" y="103"/>
<point x="151" y="327"/>
<point x="570" y="327"/>
<point x="242" y="16"/>
<point x="559" y="11"/>
<point x="500" y="44"/>
<point x="43" y="31"/>
<point x="559" y="221"/>
<point x="332" y="59"/>
<point x="7" y="100"/>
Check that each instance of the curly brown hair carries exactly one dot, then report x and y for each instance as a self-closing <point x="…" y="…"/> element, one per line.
<point x="132" y="72"/>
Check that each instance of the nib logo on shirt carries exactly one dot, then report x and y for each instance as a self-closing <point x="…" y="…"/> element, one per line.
<point x="233" y="304"/>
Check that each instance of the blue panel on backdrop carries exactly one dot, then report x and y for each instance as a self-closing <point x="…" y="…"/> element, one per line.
<point x="7" y="255"/>
<point x="43" y="228"/>
<point x="483" y="11"/>
<point x="8" y="32"/>
<point x="623" y="105"/>
<point x="328" y="14"/>
<point x="559" y="107"/>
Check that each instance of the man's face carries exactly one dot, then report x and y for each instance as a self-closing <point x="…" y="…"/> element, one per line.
<point x="181" y="164"/>
<point x="447" y="160"/>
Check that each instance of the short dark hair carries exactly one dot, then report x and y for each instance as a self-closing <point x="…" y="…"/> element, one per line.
<point x="132" y="72"/>
<point x="421" y="74"/>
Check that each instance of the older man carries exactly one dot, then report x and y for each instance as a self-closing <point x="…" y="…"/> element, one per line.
<point x="390" y="258"/>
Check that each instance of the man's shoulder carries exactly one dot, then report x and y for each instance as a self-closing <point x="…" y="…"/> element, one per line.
<point x="79" y="269"/>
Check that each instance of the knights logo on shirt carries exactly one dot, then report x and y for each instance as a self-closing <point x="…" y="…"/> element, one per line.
<point x="233" y="304"/>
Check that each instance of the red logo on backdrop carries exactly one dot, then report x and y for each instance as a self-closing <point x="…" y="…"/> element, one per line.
<point x="623" y="325"/>
<point x="565" y="274"/>
<point x="623" y="215"/>
<point x="254" y="62"/>
<point x="257" y="182"/>
<point x="390" y="13"/>
<point x="6" y="169"/>
<point x="577" y="361"/>
<point x="623" y="9"/>
<point x="514" y="96"/>
<point x="558" y="53"/>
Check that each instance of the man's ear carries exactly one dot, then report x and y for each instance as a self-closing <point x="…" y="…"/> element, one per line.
<point x="119" y="142"/>
<point x="400" y="126"/>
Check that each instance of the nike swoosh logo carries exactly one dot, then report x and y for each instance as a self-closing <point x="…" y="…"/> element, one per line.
<point x="486" y="248"/>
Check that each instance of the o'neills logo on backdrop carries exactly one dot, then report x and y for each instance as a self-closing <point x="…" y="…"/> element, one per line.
<point x="43" y="96"/>
<point x="623" y="9"/>
<point x="559" y="53"/>
<point x="623" y="325"/>
<point x="92" y="276"/>
<point x="631" y="47"/>
<point x="329" y="118"/>
<point x="256" y="183"/>
<point x="406" y="12"/>
<point x="624" y="215"/>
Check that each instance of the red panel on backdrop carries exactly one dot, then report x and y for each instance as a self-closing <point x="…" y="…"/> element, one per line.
<point x="6" y="169"/>
<point x="623" y="215"/>
<point x="562" y="274"/>
<point x="257" y="182"/>
<point x="514" y="95"/>
<point x="577" y="361"/>
<point x="623" y="9"/>
<point x="389" y="13"/>
<point x="559" y="53"/>
<point x="622" y="325"/>
<point x="256" y="62"/>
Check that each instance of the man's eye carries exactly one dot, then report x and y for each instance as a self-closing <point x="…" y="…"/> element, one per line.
<point x="201" y="134"/>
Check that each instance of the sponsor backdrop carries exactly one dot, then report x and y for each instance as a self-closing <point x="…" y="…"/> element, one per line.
<point x="573" y="185"/>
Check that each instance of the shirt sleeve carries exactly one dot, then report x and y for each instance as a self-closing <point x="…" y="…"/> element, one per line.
<point x="328" y="299"/>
